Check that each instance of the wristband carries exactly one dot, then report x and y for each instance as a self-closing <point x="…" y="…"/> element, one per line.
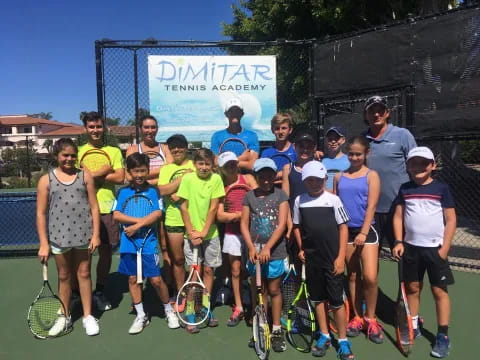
<point x="396" y="242"/>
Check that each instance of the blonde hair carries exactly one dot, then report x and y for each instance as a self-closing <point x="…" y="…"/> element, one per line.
<point x="281" y="118"/>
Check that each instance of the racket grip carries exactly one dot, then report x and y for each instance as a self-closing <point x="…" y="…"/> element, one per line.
<point x="195" y="255"/>
<point x="139" y="268"/>
<point x="258" y="273"/>
<point x="45" y="271"/>
<point x="303" y="272"/>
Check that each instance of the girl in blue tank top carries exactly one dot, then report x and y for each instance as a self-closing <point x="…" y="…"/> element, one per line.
<point x="359" y="189"/>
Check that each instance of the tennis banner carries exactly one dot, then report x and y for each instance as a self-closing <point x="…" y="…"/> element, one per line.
<point x="188" y="93"/>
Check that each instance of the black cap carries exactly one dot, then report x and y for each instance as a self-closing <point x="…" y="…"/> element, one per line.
<point x="337" y="129"/>
<point x="178" y="139"/>
<point x="305" y="136"/>
<point x="377" y="99"/>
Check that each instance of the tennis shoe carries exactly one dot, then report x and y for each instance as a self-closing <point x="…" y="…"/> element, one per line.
<point x="212" y="320"/>
<point x="417" y="333"/>
<point x="139" y="323"/>
<point x="278" y="341"/>
<point x="91" y="325"/>
<point x="101" y="301"/>
<point x="344" y="351"/>
<point x="236" y="317"/>
<point x="61" y="325"/>
<point x="375" y="331"/>
<point x="355" y="326"/>
<point x="172" y="319"/>
<point x="321" y="346"/>
<point x="441" y="349"/>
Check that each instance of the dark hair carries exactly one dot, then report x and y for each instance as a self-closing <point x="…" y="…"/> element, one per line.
<point x="136" y="160"/>
<point x="361" y="140"/>
<point x="91" y="116"/>
<point x="146" y="117"/>
<point x="203" y="154"/>
<point x="61" y="144"/>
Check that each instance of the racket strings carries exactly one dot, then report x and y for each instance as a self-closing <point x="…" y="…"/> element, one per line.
<point x="139" y="207"/>
<point x="43" y="313"/>
<point x="289" y="289"/>
<point x="95" y="160"/>
<point x="234" y="199"/>
<point x="197" y="304"/>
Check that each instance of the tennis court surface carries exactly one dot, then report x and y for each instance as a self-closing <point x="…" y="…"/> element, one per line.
<point x="21" y="280"/>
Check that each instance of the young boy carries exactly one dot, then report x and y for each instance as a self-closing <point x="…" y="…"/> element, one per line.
<point x="263" y="223"/>
<point x="137" y="167"/>
<point x="426" y="210"/>
<point x="105" y="179"/>
<point x="201" y="192"/>
<point x="335" y="160"/>
<point x="322" y="247"/>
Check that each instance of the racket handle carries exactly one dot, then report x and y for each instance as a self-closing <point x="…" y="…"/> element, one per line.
<point x="139" y="268"/>
<point x="195" y="255"/>
<point x="258" y="273"/>
<point x="303" y="272"/>
<point x="45" y="271"/>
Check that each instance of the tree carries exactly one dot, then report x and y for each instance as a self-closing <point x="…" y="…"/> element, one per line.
<point x="47" y="144"/>
<point x="42" y="115"/>
<point x="142" y="112"/>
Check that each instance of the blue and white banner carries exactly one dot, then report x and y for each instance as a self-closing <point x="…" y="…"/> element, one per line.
<point x="188" y="93"/>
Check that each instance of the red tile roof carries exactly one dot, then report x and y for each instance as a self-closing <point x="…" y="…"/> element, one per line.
<point x="67" y="130"/>
<point x="28" y="120"/>
<point x="122" y="130"/>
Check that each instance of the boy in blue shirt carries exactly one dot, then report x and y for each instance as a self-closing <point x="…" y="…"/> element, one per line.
<point x="335" y="160"/>
<point x="137" y="167"/>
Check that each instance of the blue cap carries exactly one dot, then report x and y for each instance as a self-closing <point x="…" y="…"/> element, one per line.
<point x="340" y="131"/>
<point x="263" y="163"/>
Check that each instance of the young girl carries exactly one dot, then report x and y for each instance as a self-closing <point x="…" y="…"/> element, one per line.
<point x="263" y="222"/>
<point x="359" y="189"/>
<point x="233" y="244"/>
<point x="68" y="195"/>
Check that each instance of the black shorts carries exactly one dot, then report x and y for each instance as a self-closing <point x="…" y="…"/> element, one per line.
<point x="109" y="231"/>
<point x="372" y="237"/>
<point x="175" y="229"/>
<point x="384" y="226"/>
<point x="323" y="285"/>
<point x="417" y="260"/>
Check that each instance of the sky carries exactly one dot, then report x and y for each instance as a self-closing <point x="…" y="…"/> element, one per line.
<point x="47" y="61"/>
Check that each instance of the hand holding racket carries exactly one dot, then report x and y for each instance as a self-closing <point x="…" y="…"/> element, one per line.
<point x="403" y="319"/>
<point x="177" y="177"/>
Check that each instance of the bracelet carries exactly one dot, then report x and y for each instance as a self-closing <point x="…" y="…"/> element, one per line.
<point x="396" y="242"/>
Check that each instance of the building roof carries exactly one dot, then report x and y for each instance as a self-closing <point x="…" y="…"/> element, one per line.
<point x="122" y="130"/>
<point x="12" y="120"/>
<point x="65" y="131"/>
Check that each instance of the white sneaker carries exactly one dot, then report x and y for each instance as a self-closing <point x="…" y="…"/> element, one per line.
<point x="61" y="325"/>
<point x="138" y="325"/>
<point x="101" y="301"/>
<point x="172" y="319"/>
<point x="91" y="325"/>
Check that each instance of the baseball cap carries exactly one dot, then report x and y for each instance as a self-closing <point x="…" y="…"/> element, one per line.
<point x="339" y="130"/>
<point x="314" y="168"/>
<point x="225" y="157"/>
<point x="377" y="99"/>
<point x="233" y="102"/>
<point x="263" y="163"/>
<point x="305" y="136"/>
<point x="177" y="139"/>
<point x="421" y="151"/>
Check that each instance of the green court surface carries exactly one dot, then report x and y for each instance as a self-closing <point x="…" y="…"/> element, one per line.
<point x="21" y="280"/>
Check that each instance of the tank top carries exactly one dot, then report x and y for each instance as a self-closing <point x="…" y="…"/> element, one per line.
<point x="234" y="228"/>
<point x="296" y="185"/>
<point x="157" y="161"/>
<point x="354" y="195"/>
<point x="69" y="216"/>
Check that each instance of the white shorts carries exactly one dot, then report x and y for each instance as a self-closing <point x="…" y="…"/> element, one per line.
<point x="58" y="251"/>
<point x="233" y="244"/>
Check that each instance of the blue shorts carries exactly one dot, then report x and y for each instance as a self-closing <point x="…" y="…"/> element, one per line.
<point x="271" y="270"/>
<point x="150" y="265"/>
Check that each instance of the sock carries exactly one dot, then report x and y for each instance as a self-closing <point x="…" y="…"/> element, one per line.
<point x="167" y="307"/>
<point x="327" y="335"/>
<point x="443" y="329"/>
<point x="340" y="340"/>
<point x="99" y="287"/>
<point x="415" y="322"/>
<point x="276" y="328"/>
<point x="139" y="309"/>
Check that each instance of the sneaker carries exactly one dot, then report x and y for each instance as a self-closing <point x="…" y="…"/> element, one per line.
<point x="91" y="325"/>
<point x="344" y="350"/>
<point x="355" y="326"/>
<point x="417" y="333"/>
<point x="138" y="324"/>
<point x="61" y="325"/>
<point x="321" y="346"/>
<point x="101" y="301"/>
<point x="236" y="317"/>
<point x="172" y="319"/>
<point x="441" y="348"/>
<point x="375" y="331"/>
<point x="278" y="341"/>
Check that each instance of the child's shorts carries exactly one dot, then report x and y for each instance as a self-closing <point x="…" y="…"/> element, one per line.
<point x="233" y="245"/>
<point x="418" y="259"/>
<point x="150" y="265"/>
<point x="271" y="270"/>
<point x="372" y="237"/>
<point x="58" y="251"/>
<point x="323" y="285"/>
<point x="209" y="253"/>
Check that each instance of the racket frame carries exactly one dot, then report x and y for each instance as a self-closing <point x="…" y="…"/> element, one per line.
<point x="232" y="139"/>
<point x="404" y="334"/>
<point x="282" y="156"/>
<point x="229" y="190"/>
<point x="95" y="151"/>
<point x="152" y="155"/>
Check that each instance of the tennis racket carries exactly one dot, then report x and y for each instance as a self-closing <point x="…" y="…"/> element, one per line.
<point x="332" y="324"/>
<point x="290" y="286"/>
<point x="261" y="330"/>
<point x="232" y="203"/>
<point x="156" y="159"/>
<point x="138" y="206"/>
<point x="195" y="296"/>
<point x="403" y="320"/>
<point x="177" y="174"/>
<point x="234" y="144"/>
<point x="301" y="319"/>
<point x="44" y="310"/>
<point x="281" y="159"/>
<point x="95" y="159"/>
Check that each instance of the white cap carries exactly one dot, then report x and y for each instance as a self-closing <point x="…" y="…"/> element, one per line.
<point x="225" y="157"/>
<point x="314" y="168"/>
<point x="264" y="163"/>
<point x="233" y="102"/>
<point x="421" y="151"/>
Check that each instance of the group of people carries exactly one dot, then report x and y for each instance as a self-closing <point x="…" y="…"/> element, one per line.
<point x="333" y="205"/>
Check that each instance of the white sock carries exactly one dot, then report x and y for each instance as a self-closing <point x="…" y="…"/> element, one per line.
<point x="415" y="322"/>
<point x="340" y="340"/>
<point x="327" y="335"/>
<point x="139" y="309"/>
<point x="276" y="328"/>
<point x="167" y="307"/>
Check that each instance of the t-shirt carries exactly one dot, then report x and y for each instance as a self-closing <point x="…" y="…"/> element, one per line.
<point x="388" y="156"/>
<point x="173" y="216"/>
<point x="199" y="193"/>
<point x="297" y="186"/>
<point x="334" y="166"/>
<point x="423" y="215"/>
<point x="106" y="193"/>
<point x="280" y="161"/>
<point x="151" y="244"/>
<point x="264" y="219"/>
<point x="247" y="136"/>
<point x="319" y="218"/>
